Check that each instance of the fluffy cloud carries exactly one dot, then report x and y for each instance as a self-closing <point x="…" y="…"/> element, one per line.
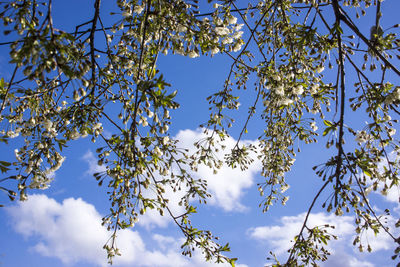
<point x="72" y="232"/>
<point x="279" y="237"/>
<point x="228" y="185"/>
<point x="91" y="160"/>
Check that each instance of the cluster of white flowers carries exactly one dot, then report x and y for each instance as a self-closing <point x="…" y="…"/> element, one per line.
<point x="232" y="19"/>
<point x="314" y="88"/>
<point x="393" y="97"/>
<point x="284" y="188"/>
<point x="31" y="122"/>
<point x="74" y="134"/>
<point x="314" y="126"/>
<point x="13" y="134"/>
<point x="157" y="151"/>
<point x="298" y="90"/>
<point x="320" y="68"/>
<point x="58" y="162"/>
<point x="181" y="28"/>
<point x="138" y="9"/>
<point x="34" y="162"/>
<point x="40" y="182"/>
<point x="143" y="121"/>
<point x="165" y="140"/>
<point x="362" y="137"/>
<point x="285" y="102"/>
<point x="279" y="90"/>
<point x="193" y="54"/>
<point x="164" y="129"/>
<point x="51" y="131"/>
<point x="391" y="131"/>
<point x="97" y="129"/>
<point x="221" y="30"/>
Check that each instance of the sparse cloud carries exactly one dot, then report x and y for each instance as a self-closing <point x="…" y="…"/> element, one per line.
<point x="71" y="231"/>
<point x="227" y="186"/>
<point x="91" y="160"/>
<point x="279" y="237"/>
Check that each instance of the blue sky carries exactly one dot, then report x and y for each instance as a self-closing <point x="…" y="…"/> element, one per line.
<point x="61" y="226"/>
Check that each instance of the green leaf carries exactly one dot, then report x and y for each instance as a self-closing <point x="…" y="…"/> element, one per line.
<point x="328" y="123"/>
<point x="192" y="209"/>
<point x="326" y="131"/>
<point x="367" y="173"/>
<point x="232" y="261"/>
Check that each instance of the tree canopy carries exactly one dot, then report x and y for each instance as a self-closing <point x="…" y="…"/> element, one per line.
<point x="303" y="63"/>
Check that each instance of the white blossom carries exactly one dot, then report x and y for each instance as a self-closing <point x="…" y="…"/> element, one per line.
<point x="237" y="35"/>
<point x="157" y="151"/>
<point x="387" y="117"/>
<point x="181" y="28"/>
<point x="166" y="113"/>
<point x="127" y="13"/>
<point x="221" y="30"/>
<point x="165" y="140"/>
<point x="12" y="134"/>
<point x="16" y="152"/>
<point x="276" y="77"/>
<point x="97" y="126"/>
<point x="238" y="27"/>
<point x="47" y="124"/>
<point x="284" y="188"/>
<point x="298" y="90"/>
<point x="165" y="128"/>
<point x="214" y="50"/>
<point x="193" y="54"/>
<point x="280" y="90"/>
<point x="362" y="137"/>
<point x="138" y="9"/>
<point x="232" y="19"/>
<point x="320" y="68"/>
<point x="74" y="135"/>
<point x="314" y="126"/>
<point x="314" y="89"/>
<point x="391" y="131"/>
<point x="285" y="102"/>
<point x="216" y="5"/>
<point x="237" y="47"/>
<point x="227" y="40"/>
<point x="143" y="121"/>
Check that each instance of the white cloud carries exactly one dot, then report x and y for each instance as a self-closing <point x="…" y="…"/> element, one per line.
<point x="91" y="160"/>
<point x="71" y="231"/>
<point x="393" y="193"/>
<point x="279" y="237"/>
<point x="228" y="185"/>
<point x="343" y="259"/>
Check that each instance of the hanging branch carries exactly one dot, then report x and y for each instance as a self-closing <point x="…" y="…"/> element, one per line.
<point x="342" y="101"/>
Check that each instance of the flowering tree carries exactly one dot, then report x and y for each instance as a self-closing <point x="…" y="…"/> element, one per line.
<point x="62" y="84"/>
